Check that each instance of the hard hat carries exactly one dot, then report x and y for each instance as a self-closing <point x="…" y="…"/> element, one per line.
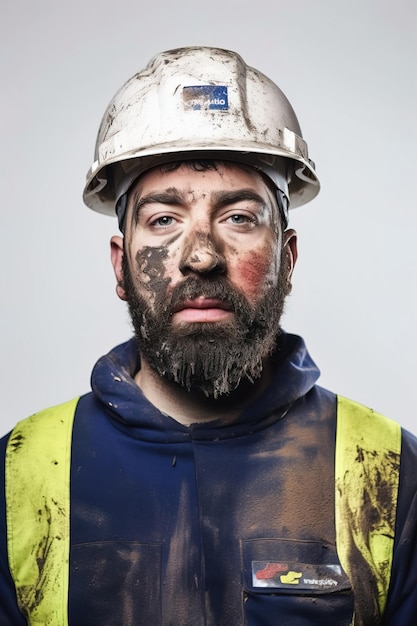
<point x="198" y="103"/>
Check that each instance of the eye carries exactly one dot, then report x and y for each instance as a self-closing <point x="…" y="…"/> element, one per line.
<point x="239" y="219"/>
<point x="163" y="222"/>
<point x="245" y="220"/>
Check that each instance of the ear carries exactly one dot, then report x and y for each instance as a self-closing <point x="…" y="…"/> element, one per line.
<point x="116" y="251"/>
<point x="291" y="253"/>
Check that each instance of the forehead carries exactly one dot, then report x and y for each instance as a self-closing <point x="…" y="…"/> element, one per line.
<point x="219" y="175"/>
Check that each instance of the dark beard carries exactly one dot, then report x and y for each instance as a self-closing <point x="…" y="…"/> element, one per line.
<point x="212" y="357"/>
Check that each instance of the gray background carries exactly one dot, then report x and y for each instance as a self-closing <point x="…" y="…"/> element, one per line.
<point x="349" y="69"/>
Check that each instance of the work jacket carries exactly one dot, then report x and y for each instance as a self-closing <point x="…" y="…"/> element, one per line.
<point x="299" y="512"/>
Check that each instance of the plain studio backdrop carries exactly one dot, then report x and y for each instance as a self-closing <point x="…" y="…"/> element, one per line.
<point x="349" y="70"/>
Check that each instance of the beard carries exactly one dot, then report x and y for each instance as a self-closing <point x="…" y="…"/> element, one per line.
<point x="214" y="358"/>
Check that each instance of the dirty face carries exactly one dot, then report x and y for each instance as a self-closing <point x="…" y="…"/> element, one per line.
<point x="205" y="269"/>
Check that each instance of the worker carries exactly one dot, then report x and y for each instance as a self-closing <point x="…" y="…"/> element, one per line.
<point x="207" y="479"/>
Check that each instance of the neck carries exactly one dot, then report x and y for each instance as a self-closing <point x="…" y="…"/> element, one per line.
<point x="190" y="407"/>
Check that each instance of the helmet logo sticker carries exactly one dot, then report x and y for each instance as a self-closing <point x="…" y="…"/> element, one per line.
<point x="205" y="97"/>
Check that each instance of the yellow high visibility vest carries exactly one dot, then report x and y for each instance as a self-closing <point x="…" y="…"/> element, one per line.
<point x="38" y="513"/>
<point x="368" y="447"/>
<point x="38" y="463"/>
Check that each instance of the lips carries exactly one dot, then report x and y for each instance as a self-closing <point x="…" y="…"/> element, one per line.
<point x="203" y="303"/>
<point x="202" y="309"/>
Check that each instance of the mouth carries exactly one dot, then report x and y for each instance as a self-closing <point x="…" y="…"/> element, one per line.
<point x="202" y="310"/>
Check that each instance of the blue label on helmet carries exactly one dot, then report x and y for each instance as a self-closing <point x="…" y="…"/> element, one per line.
<point x="205" y="97"/>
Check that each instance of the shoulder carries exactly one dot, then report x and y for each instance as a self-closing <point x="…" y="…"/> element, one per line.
<point x="36" y="432"/>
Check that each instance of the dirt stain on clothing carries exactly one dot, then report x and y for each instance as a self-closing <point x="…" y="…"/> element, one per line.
<point x="31" y="596"/>
<point x="368" y="493"/>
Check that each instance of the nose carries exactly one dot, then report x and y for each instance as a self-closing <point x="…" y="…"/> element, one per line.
<point x="201" y="255"/>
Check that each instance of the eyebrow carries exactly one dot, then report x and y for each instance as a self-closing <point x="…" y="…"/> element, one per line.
<point x="223" y="198"/>
<point x="173" y="196"/>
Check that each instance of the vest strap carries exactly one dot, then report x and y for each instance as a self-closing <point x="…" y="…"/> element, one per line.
<point x="368" y="447"/>
<point x="38" y="513"/>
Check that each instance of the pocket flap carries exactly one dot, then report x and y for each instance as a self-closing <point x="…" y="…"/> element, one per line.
<point x="292" y="566"/>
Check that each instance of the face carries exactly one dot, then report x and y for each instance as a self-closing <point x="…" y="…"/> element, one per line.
<point x="205" y="269"/>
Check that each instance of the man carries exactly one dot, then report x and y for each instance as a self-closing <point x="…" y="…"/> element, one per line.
<point x="206" y="479"/>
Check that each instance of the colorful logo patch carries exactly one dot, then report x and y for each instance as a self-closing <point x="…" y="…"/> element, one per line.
<point x="301" y="575"/>
<point x="205" y="98"/>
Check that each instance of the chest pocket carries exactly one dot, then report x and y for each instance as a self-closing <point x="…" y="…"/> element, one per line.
<point x="116" y="584"/>
<point x="297" y="583"/>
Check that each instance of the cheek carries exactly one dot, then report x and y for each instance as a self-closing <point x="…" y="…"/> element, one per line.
<point x="151" y="268"/>
<point x="253" y="272"/>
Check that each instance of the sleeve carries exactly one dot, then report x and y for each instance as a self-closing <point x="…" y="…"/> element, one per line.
<point x="9" y="611"/>
<point x="401" y="609"/>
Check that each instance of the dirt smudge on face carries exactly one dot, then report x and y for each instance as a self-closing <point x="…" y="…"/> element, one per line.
<point x="150" y="261"/>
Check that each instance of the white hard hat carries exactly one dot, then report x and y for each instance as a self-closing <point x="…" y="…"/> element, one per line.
<point x="198" y="103"/>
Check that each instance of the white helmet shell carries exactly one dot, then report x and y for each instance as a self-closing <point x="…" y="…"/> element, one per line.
<point x="198" y="102"/>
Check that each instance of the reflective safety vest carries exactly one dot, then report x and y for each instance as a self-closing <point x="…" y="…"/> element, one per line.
<point x="38" y="461"/>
